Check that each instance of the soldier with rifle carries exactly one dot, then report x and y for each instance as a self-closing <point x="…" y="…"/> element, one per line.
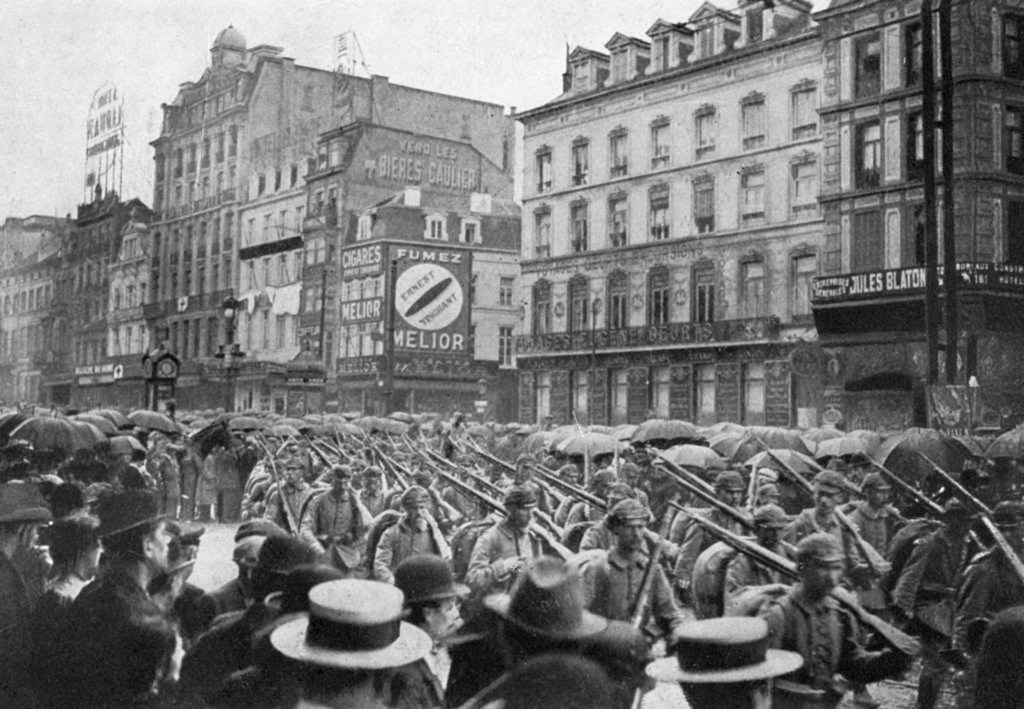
<point x="287" y="497"/>
<point x="742" y="571"/>
<point x="613" y="580"/>
<point x="600" y="535"/>
<point x="372" y="493"/>
<point x="335" y="523"/>
<point x="502" y="552"/>
<point x="414" y="533"/>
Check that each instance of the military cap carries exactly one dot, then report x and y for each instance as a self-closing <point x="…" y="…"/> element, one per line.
<point x="521" y="496"/>
<point x="829" y="481"/>
<point x="414" y="495"/>
<point x="770" y="516"/>
<point x="955" y="508"/>
<point x="875" y="480"/>
<point x="422" y="478"/>
<point x="626" y="511"/>
<point x="1008" y="514"/>
<point x="767" y="475"/>
<point x="820" y="547"/>
<point x="526" y="459"/>
<point x="373" y="471"/>
<point x="629" y="467"/>
<point x="341" y="472"/>
<point x="621" y="490"/>
<point x="729" y="480"/>
<point x="603" y="477"/>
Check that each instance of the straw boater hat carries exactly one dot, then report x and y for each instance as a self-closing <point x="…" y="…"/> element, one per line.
<point x="547" y="601"/>
<point x="352" y="624"/>
<point x="724" y="651"/>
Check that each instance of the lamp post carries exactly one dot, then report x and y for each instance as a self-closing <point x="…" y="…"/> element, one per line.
<point x="231" y="350"/>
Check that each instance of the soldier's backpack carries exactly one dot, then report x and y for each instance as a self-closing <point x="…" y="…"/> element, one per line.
<point x="707" y="587"/>
<point x="462" y="544"/>
<point x="901" y="546"/>
<point x="380" y="523"/>
<point x="573" y="535"/>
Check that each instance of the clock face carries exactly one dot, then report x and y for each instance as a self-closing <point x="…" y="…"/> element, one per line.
<point x="166" y="369"/>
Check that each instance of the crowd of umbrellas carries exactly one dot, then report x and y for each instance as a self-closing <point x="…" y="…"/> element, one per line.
<point x="701" y="449"/>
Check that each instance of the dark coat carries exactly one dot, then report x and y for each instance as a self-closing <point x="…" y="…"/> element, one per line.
<point x="15" y="656"/>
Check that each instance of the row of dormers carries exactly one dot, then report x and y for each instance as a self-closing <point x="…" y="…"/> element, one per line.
<point x="710" y="31"/>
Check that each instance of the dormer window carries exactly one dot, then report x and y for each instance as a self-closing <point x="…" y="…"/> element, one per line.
<point x="662" y="47"/>
<point x="706" y="42"/>
<point x="620" y="65"/>
<point x="365" y="230"/>
<point x="581" y="76"/>
<point x="470" y="231"/>
<point x="436" y="230"/>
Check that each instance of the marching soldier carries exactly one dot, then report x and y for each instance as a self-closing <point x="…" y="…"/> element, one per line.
<point x="742" y="572"/>
<point x="285" y="501"/>
<point x="415" y="532"/>
<point x="925" y="595"/>
<point x="584" y="512"/>
<point x="600" y="535"/>
<point x="372" y="495"/>
<point x="505" y="549"/>
<point x="523" y="477"/>
<point x="335" y="522"/>
<point x="809" y="620"/>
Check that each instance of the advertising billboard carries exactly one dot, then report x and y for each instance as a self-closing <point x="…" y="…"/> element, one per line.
<point x="104" y="139"/>
<point x="431" y="301"/>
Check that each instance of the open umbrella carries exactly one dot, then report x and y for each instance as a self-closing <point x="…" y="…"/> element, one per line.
<point x="153" y="421"/>
<point x="101" y="422"/>
<point x="1007" y="445"/>
<point x="126" y="445"/>
<point x="665" y="430"/>
<point x="116" y="417"/>
<point x="775" y="437"/>
<point x="899" y="453"/>
<point x="624" y="431"/>
<point x="58" y="434"/>
<point x="592" y="444"/>
<point x="843" y="448"/>
<point x="283" y="430"/>
<point x="537" y="441"/>
<point x="245" y="423"/>
<point x="873" y="438"/>
<point x="10" y="421"/>
<point x="736" y="446"/>
<point x="695" y="457"/>
<point x="800" y="462"/>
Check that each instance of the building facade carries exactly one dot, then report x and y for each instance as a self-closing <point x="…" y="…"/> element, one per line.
<point x="671" y="227"/>
<point x="869" y="306"/>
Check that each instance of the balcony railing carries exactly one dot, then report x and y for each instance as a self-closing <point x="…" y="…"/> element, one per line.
<point x="723" y="331"/>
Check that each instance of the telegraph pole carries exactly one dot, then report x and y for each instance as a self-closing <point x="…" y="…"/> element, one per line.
<point x="931" y="289"/>
<point x="948" y="213"/>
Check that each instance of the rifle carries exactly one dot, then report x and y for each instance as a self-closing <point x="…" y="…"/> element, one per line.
<point x="543" y="481"/>
<point x="896" y="638"/>
<point x="289" y="513"/>
<point x="875" y="561"/>
<point x="642" y="606"/>
<point x="985" y="516"/>
<point x="687" y="481"/>
<point x="906" y="488"/>
<point x="496" y="506"/>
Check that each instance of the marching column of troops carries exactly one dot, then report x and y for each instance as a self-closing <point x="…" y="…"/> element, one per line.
<point x="431" y="572"/>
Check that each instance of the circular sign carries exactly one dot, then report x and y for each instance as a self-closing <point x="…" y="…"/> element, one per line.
<point x="428" y="296"/>
<point x="832" y="417"/>
<point x="166" y="368"/>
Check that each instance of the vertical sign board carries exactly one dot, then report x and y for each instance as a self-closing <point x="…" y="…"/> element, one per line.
<point x="430" y="297"/>
<point x="561" y="409"/>
<point x="361" y="303"/>
<point x="527" y="412"/>
<point x="777" y="393"/>
<point x="104" y="140"/>
<point x="637" y="394"/>
<point x="680" y="393"/>
<point x="727" y="392"/>
<point x="599" y="404"/>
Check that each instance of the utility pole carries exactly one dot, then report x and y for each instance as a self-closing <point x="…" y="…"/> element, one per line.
<point x="931" y="289"/>
<point x="949" y="270"/>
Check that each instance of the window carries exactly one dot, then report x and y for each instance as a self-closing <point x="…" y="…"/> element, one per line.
<point x="867" y="242"/>
<point x="755" y="26"/>
<point x="506" y="347"/>
<point x="703" y="294"/>
<point x="280" y="330"/>
<point x="580" y="163"/>
<point x="1015" y="233"/>
<point x="619" y="381"/>
<point x="662" y="53"/>
<point x="261" y="185"/>
<point x="752" y="197"/>
<point x="620" y="66"/>
<point x="661" y="148"/>
<point x="282" y="269"/>
<point x="581" y="76"/>
<point x="581" y="394"/>
<point x="753" y="393"/>
<point x="542" y="393"/>
<point x="365" y="228"/>
<point x="505" y="288"/>
<point x="704" y="206"/>
<point x="205" y="159"/>
<point x="658" y="297"/>
<point x="753" y="124"/>
<point x="868" y="155"/>
<point x="803" y="188"/>
<point x="1014" y="143"/>
<point x="579" y="304"/>
<point x="618" y="301"/>
<point x="618" y="219"/>
<point x="435" y="229"/>
<point x="277" y="180"/>
<point x="1013" y="56"/>
<point x="912" y="54"/>
<point x="658" y="218"/>
<point x="294" y="176"/>
<point x="753" y="290"/>
<point x="705" y="134"/>
<point x="867" y="79"/>
<point x="705" y="393"/>
<point x="470" y="232"/>
<point x="541" y="308"/>
<point x="579" y="228"/>
<point x="233" y="141"/>
<point x="915" y="146"/>
<point x="804" y="269"/>
<point x="542" y="233"/>
<point x="706" y="42"/>
<point x="618" y="153"/>
<point x="544" y="172"/>
<point x="661" y="383"/>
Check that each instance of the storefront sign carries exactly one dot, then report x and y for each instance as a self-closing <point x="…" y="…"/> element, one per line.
<point x="90" y="369"/>
<point x="359" y="365"/>
<point x="361" y="310"/>
<point x="900" y="281"/>
<point x="361" y="261"/>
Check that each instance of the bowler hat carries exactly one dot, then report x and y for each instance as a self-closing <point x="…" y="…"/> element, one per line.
<point x="300" y="581"/>
<point x="548" y="601"/>
<point x="279" y="555"/>
<point x="259" y="528"/>
<point x="352" y="624"/>
<point x="123" y="511"/>
<point x="426" y="577"/>
<point x="521" y="497"/>
<point x="22" y="502"/>
<point x="724" y="651"/>
<point x="247" y="551"/>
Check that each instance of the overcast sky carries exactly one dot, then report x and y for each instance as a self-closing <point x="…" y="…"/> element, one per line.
<point x="58" y="52"/>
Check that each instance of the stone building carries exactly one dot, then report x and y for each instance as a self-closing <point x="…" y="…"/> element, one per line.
<point x="671" y="227"/>
<point x="128" y="337"/>
<point x="869" y="305"/>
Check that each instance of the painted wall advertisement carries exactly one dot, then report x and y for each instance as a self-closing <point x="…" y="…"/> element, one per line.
<point x="104" y="134"/>
<point x="432" y="302"/>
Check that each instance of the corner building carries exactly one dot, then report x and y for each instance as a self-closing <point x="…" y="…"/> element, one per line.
<point x="869" y="304"/>
<point x="671" y="227"/>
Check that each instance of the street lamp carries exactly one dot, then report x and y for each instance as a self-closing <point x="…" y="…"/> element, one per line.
<point x="231" y="350"/>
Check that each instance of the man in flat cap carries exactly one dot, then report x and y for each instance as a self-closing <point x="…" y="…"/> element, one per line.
<point x="829" y="488"/>
<point x="809" y="620"/>
<point x="505" y="549"/>
<point x="372" y="494"/>
<point x="690" y="536"/>
<point x="600" y="484"/>
<point x="286" y="500"/>
<point x="742" y="572"/>
<point x="415" y="532"/>
<point x="335" y="522"/>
